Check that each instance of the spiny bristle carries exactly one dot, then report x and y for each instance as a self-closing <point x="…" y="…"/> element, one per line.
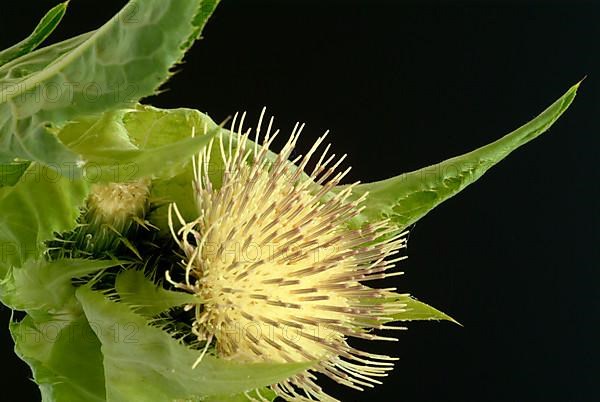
<point x="280" y="273"/>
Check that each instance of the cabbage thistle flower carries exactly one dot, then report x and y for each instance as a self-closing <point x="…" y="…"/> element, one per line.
<point x="169" y="281"/>
<point x="280" y="274"/>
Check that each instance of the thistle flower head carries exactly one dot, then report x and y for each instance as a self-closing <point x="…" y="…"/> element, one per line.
<point x="281" y="275"/>
<point x="117" y="203"/>
<point x="112" y="211"/>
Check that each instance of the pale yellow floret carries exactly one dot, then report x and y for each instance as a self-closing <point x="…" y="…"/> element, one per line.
<point x="116" y="203"/>
<point x="281" y="276"/>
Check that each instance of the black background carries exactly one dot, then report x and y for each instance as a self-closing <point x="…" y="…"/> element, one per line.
<point x="402" y="85"/>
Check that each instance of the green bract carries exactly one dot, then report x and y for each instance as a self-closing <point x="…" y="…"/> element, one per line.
<point x="97" y="324"/>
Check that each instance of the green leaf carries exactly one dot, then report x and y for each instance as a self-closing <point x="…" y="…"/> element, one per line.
<point x="414" y="310"/>
<point x="39" y="205"/>
<point x="64" y="355"/>
<point x="122" y="166"/>
<point x="10" y="173"/>
<point x="46" y="285"/>
<point x="110" y="155"/>
<point x="407" y="198"/>
<point x="113" y="67"/>
<point x="17" y="69"/>
<point x="151" y="128"/>
<point x="93" y="134"/>
<point x="410" y="309"/>
<point x="418" y="311"/>
<point x="177" y="189"/>
<point x="44" y="28"/>
<point x="143" y="363"/>
<point x="146" y="297"/>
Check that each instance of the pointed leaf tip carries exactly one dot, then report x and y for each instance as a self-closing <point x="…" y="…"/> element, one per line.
<point x="45" y="27"/>
<point x="406" y="198"/>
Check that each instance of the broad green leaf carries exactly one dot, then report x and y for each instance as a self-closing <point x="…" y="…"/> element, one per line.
<point x="10" y="173"/>
<point x="143" y="363"/>
<point x="104" y="142"/>
<point x="42" y="203"/>
<point x="146" y="297"/>
<point x="46" y="285"/>
<point x="151" y="127"/>
<point x="44" y="28"/>
<point x="407" y="198"/>
<point x="124" y="60"/>
<point x="165" y="161"/>
<point x="93" y="134"/>
<point x="64" y="356"/>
